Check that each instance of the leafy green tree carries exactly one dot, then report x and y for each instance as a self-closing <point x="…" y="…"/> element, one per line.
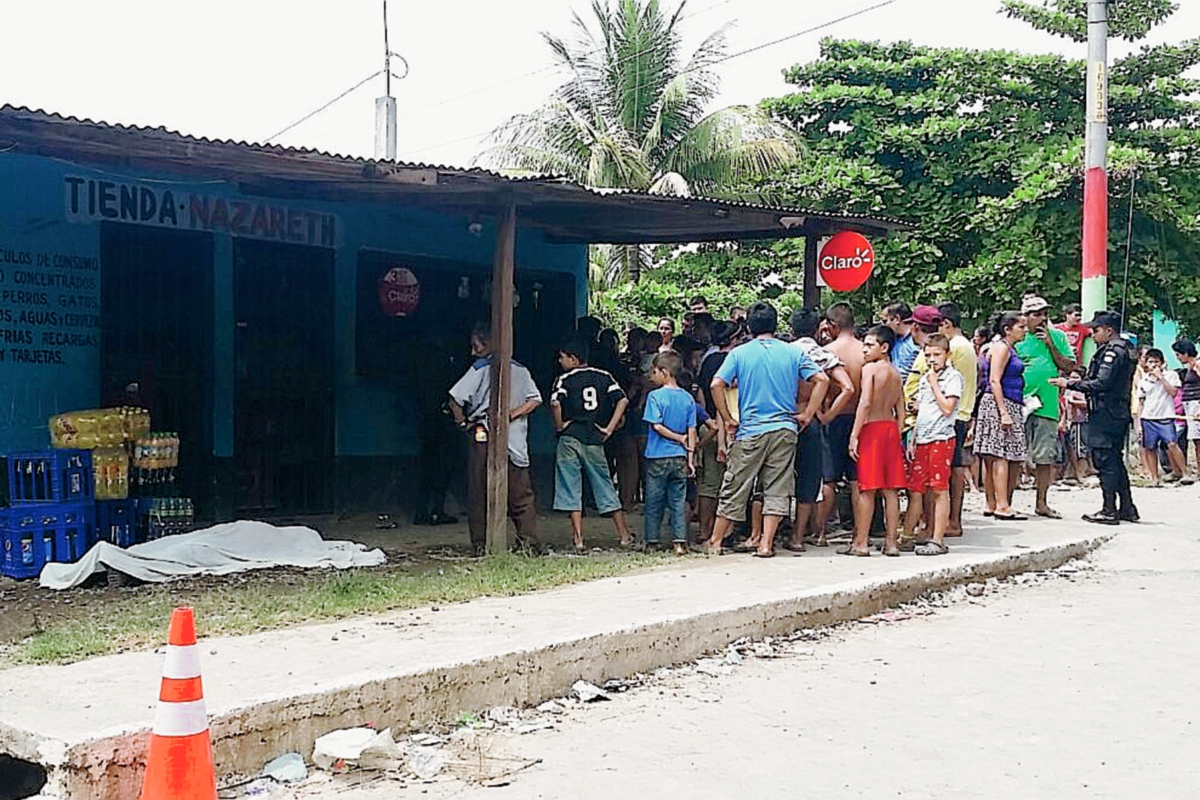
<point x="1127" y="19"/>
<point x="983" y="151"/>
<point x="634" y="114"/>
<point x="727" y="275"/>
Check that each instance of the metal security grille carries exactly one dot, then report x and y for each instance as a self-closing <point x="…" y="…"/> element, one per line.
<point x="284" y="398"/>
<point x="157" y="331"/>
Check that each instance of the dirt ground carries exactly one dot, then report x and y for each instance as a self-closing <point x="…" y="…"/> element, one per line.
<point x="410" y="549"/>
<point x="1066" y="684"/>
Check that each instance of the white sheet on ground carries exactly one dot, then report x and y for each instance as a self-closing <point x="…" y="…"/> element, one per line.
<point x="219" y="550"/>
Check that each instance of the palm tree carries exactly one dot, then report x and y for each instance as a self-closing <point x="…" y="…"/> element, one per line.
<point x="633" y="115"/>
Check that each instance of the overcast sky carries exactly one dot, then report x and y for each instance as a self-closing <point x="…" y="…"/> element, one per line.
<point x="244" y="69"/>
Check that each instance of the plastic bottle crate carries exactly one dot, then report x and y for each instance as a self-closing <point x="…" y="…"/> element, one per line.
<point x="35" y="535"/>
<point x="50" y="476"/>
<point x="117" y="522"/>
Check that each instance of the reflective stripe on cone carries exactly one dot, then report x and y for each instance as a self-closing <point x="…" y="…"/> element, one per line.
<point x="182" y="662"/>
<point x="179" y="764"/>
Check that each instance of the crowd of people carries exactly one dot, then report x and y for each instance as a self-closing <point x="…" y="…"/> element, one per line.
<point x="757" y="437"/>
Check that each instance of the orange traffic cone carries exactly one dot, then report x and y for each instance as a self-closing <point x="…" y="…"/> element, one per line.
<point x="180" y="764"/>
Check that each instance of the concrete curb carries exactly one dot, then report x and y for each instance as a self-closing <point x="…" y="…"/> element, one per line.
<point x="110" y="765"/>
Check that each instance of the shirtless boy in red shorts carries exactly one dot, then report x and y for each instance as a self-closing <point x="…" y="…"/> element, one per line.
<point x="875" y="444"/>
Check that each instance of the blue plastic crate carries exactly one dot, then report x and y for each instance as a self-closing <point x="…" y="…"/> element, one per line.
<point x="50" y="476"/>
<point x="35" y="535"/>
<point x="116" y="521"/>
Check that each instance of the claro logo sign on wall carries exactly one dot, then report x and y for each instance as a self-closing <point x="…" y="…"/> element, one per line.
<point x="845" y="261"/>
<point x="399" y="292"/>
<point x="90" y="199"/>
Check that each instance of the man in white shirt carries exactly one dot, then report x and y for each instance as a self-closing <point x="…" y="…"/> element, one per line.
<point x="1156" y="418"/>
<point x="470" y="398"/>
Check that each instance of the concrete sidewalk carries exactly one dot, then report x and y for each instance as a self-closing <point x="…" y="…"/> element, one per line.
<point x="276" y="692"/>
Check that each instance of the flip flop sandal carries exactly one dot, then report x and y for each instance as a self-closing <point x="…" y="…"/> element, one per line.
<point x="1049" y="514"/>
<point x="794" y="547"/>
<point x="932" y="548"/>
<point x="1012" y="517"/>
<point x="989" y="513"/>
<point x="768" y="554"/>
<point x="850" y="551"/>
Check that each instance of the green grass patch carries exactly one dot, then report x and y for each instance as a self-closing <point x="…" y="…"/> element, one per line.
<point x="138" y="619"/>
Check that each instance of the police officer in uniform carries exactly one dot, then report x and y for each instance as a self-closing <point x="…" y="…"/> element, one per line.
<point x="1108" y="387"/>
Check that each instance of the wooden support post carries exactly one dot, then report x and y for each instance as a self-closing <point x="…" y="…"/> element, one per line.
<point x="503" y="268"/>
<point x="812" y="292"/>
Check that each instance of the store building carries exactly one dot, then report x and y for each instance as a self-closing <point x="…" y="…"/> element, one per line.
<point x="294" y="315"/>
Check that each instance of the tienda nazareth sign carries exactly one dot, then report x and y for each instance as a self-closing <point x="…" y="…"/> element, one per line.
<point x="93" y="199"/>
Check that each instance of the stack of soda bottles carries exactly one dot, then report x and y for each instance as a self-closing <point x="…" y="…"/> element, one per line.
<point x="135" y="470"/>
<point x="155" y="461"/>
<point x="165" y="516"/>
<point x="109" y="434"/>
<point x="52" y="517"/>
<point x="161" y="510"/>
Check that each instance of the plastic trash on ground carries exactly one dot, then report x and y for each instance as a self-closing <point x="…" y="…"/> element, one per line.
<point x="588" y="692"/>
<point x="288" y="768"/>
<point x="360" y="747"/>
<point x="426" y="762"/>
<point x="260" y="788"/>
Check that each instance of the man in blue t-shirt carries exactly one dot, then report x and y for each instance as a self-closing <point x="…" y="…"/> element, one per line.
<point x="763" y="427"/>
<point x="899" y="317"/>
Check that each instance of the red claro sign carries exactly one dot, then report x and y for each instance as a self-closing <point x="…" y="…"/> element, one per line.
<point x="846" y="261"/>
<point x="399" y="292"/>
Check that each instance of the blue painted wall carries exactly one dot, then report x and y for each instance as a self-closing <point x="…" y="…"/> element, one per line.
<point x="38" y="247"/>
<point x="1166" y="331"/>
<point x="50" y="297"/>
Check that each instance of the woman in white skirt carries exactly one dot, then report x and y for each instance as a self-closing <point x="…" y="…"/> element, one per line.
<point x="1000" y="426"/>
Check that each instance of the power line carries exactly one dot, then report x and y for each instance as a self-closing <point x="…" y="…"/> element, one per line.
<point x="551" y="68"/>
<point x="312" y="114"/>
<point x="722" y="60"/>
<point x="798" y="34"/>
<point x="1128" y="244"/>
<point x="466" y="138"/>
<point x="481" y="89"/>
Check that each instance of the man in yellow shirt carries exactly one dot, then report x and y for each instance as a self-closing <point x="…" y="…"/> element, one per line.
<point x="963" y="359"/>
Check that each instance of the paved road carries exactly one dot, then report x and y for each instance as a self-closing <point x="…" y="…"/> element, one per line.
<point x="1080" y="686"/>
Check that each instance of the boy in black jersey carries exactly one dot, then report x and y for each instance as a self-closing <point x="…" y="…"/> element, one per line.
<point x="587" y="405"/>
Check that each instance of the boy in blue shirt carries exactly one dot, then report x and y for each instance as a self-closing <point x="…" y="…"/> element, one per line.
<point x="670" y="451"/>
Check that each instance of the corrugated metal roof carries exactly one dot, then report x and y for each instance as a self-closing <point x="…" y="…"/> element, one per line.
<point x="273" y="148"/>
<point x="565" y="209"/>
<point x="788" y="210"/>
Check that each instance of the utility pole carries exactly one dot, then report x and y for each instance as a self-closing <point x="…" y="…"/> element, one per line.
<point x="1095" y="180"/>
<point x="385" y="107"/>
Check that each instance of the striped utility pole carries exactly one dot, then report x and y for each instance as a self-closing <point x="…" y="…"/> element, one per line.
<point x="1095" y="185"/>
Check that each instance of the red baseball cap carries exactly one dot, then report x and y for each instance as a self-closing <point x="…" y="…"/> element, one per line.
<point x="925" y="315"/>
